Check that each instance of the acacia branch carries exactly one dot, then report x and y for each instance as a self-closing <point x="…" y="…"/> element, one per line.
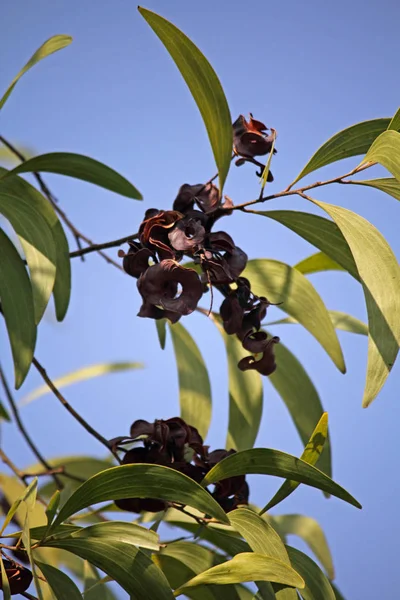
<point x="25" y="433"/>
<point x="72" y="411"/>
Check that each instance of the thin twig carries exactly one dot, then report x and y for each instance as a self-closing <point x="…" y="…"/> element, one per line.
<point x="71" y="410"/>
<point x="25" y="433"/>
<point x="28" y="595"/>
<point x="97" y="247"/>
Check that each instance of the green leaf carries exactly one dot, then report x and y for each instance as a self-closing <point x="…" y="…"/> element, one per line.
<point x="301" y="398"/>
<point x="6" y="155"/>
<point x="55" y="43"/>
<point x="386" y="151"/>
<point x="395" y="122"/>
<point x="130" y="567"/>
<point x="389" y="185"/>
<point x="340" y="320"/>
<point x="310" y="531"/>
<point x="265" y="461"/>
<point x="262" y="538"/>
<point x="286" y="286"/>
<point x="62" y="289"/>
<point x="17" y="307"/>
<point x="194" y="383"/>
<point x="351" y="141"/>
<point x="81" y="374"/>
<point x="52" y="508"/>
<point x="141" y="481"/>
<point x="5" y="586"/>
<point x="379" y="271"/>
<point x="248" y="566"/>
<point x="63" y="587"/>
<point x="128" y="533"/>
<point x="38" y="245"/>
<point x="336" y="591"/>
<point x="14" y="490"/>
<point x="24" y="497"/>
<point x="359" y="247"/>
<point x="317" y="262"/>
<point x="94" y="585"/>
<point x="161" y="325"/>
<point x="317" y="584"/>
<point x="311" y="455"/>
<point x="80" y="167"/>
<point x="29" y="499"/>
<point x="3" y="413"/>
<point x="204" y="86"/>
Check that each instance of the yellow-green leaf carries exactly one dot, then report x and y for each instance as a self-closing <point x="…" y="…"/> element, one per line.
<point x="386" y="151"/>
<point x="286" y="286"/>
<point x="82" y="374"/>
<point x="55" y="43"/>
<point x="311" y="455"/>
<point x="204" y="86"/>
<point x="340" y="320"/>
<point x="194" y="383"/>
<point x="317" y="586"/>
<point x="17" y="307"/>
<point x="81" y="167"/>
<point x="62" y="586"/>
<point x="316" y="263"/>
<point x="389" y="185"/>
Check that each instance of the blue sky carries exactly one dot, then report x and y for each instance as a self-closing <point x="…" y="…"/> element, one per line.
<point x="306" y="69"/>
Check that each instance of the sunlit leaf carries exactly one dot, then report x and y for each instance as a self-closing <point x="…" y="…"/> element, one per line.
<point x="286" y="286"/>
<point x="94" y="586"/>
<point x="17" y="307"/>
<point x="395" y="122"/>
<point x="301" y="398"/>
<point x="62" y="586"/>
<point x="317" y="262"/>
<point x="141" y="481"/>
<point x="161" y="326"/>
<point x="248" y="566"/>
<point x="340" y="320"/>
<point x="351" y="141"/>
<point x="130" y="567"/>
<point x="311" y="454"/>
<point x="317" y="584"/>
<point x="386" y="151"/>
<point x="389" y="185"/>
<point x="129" y="533"/>
<point x="6" y="155"/>
<point x="37" y="243"/>
<point x="81" y="374"/>
<point x="204" y="86"/>
<point x="262" y="538"/>
<point x="52" y="508"/>
<point x="81" y="167"/>
<point x="309" y="530"/>
<point x="265" y="461"/>
<point x="5" y="586"/>
<point x="29" y="498"/>
<point x="62" y="288"/>
<point x="194" y="383"/>
<point x="55" y="43"/>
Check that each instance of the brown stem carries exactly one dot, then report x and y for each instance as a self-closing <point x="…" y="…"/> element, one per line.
<point x="71" y="410"/>
<point x="28" y="595"/>
<point x="25" y="433"/>
<point x="97" y="247"/>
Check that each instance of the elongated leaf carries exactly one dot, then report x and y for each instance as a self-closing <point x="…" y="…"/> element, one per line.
<point x="195" y="557"/>
<point x="52" y="508"/>
<point x="141" y="481"/>
<point x="94" y="587"/>
<point x="317" y="584"/>
<point x="386" y="151"/>
<point x="17" y="307"/>
<point x="14" y="490"/>
<point x="161" y="327"/>
<point x="262" y="538"/>
<point x="3" y="413"/>
<point x="340" y="320"/>
<point x="351" y="141"/>
<point x="310" y="455"/>
<point x="38" y="245"/>
<point x="389" y="185"/>
<point x="350" y="240"/>
<point x="380" y="274"/>
<point x="5" y="586"/>
<point x="248" y="566"/>
<point x="130" y="567"/>
<point x="310" y="531"/>
<point x="9" y="157"/>
<point x="80" y="167"/>
<point x="336" y="591"/>
<point x="129" y="533"/>
<point x="55" y="43"/>
<point x="301" y="398"/>
<point x="62" y="288"/>
<point x="294" y="293"/>
<point x="266" y="461"/>
<point x="245" y="399"/>
<point x="63" y="587"/>
<point x="29" y="499"/>
<point x="316" y="263"/>
<point x="194" y="383"/>
<point x="27" y="492"/>
<point x="82" y="374"/>
<point x="395" y="122"/>
<point x="204" y="86"/>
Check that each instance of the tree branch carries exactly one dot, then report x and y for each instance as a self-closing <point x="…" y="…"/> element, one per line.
<point x="25" y="433"/>
<point x="71" y="410"/>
